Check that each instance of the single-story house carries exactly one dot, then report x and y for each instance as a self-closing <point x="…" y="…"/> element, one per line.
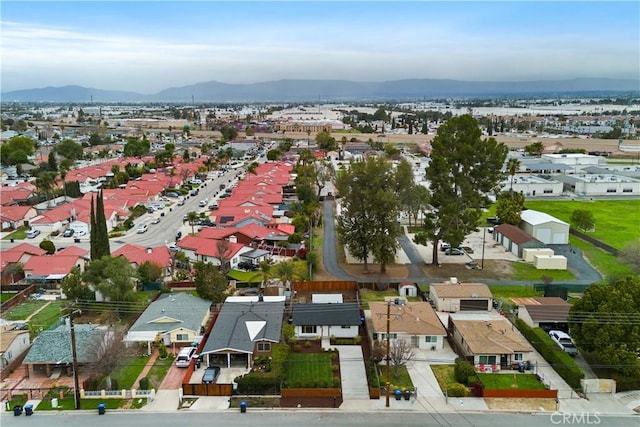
<point x="326" y="320"/>
<point x="544" y="227"/>
<point x="490" y="344"/>
<point x="138" y="255"/>
<point x="246" y="328"/>
<point x="53" y="267"/>
<point x="13" y="343"/>
<point x="52" y="348"/>
<point x="456" y="296"/>
<point x="208" y="250"/>
<point x="16" y="216"/>
<point x="415" y="322"/>
<point x="548" y="313"/>
<point x="514" y="239"/>
<point x="177" y="319"/>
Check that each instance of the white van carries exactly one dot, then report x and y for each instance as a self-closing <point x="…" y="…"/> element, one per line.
<point x="184" y="357"/>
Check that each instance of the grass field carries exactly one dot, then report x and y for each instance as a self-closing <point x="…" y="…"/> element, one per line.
<point x="616" y="220"/>
<point x="608" y="265"/>
<point x="6" y="296"/>
<point x="19" y="234"/>
<point x="402" y="380"/>
<point x="158" y="371"/>
<point x="246" y="276"/>
<point x="128" y="370"/>
<point x="508" y="291"/>
<point x="48" y="316"/>
<point x="510" y="382"/>
<point x="524" y="271"/>
<point x="24" y="310"/>
<point x="444" y="375"/>
<point x="308" y="369"/>
<point x="367" y="296"/>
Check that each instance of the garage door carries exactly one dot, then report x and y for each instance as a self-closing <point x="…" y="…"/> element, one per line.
<point x="560" y="238"/>
<point x="473" y="304"/>
<point x="544" y="235"/>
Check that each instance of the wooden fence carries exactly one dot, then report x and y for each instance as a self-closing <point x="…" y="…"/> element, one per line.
<point x="17" y="299"/>
<point x="326" y="286"/>
<point x="207" y="389"/>
<point x="310" y="397"/>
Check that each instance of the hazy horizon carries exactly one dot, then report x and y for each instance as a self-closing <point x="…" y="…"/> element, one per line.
<point x="150" y="46"/>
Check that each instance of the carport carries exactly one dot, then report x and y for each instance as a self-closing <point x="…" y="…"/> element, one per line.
<point x="142" y="336"/>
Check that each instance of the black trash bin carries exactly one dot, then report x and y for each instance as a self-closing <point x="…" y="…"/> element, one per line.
<point x="28" y="409"/>
<point x="520" y="367"/>
<point x="243" y="407"/>
<point x="398" y="394"/>
<point x="76" y="240"/>
<point x="101" y="409"/>
<point x="17" y="410"/>
<point x="407" y="394"/>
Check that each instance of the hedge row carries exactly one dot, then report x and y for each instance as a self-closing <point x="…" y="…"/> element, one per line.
<point x="372" y="374"/>
<point x="563" y="364"/>
<point x="258" y="384"/>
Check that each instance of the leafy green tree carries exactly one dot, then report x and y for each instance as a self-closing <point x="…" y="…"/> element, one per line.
<point x="229" y="133"/>
<point x="325" y="141"/>
<point x="534" y="149"/>
<point x="48" y="246"/>
<point x="463" y="169"/>
<point x="52" y="164"/>
<point x="74" y="288"/>
<point x="583" y="219"/>
<point x="273" y="155"/>
<point x="380" y="114"/>
<point x="95" y="139"/>
<point x="149" y="272"/>
<point x="112" y="277"/>
<point x="72" y="189"/>
<point x="509" y="207"/>
<point x="136" y="147"/>
<point x="17" y="150"/>
<point x="210" y="282"/>
<point x="69" y="149"/>
<point x="601" y="323"/>
<point x="45" y="183"/>
<point x="368" y="222"/>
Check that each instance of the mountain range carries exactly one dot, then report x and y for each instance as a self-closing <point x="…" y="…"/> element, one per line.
<point x="332" y="90"/>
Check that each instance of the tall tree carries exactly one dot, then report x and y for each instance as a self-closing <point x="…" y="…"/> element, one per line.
<point x="509" y="207"/>
<point x="101" y="236"/>
<point x="69" y="149"/>
<point x="513" y="166"/>
<point x="17" y="150"/>
<point x="368" y="222"/>
<point x="210" y="282"/>
<point x="463" y="169"/>
<point x="112" y="277"/>
<point x="93" y="232"/>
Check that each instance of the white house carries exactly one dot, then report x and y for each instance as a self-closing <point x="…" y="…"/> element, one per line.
<point x="13" y="343"/>
<point x="544" y="227"/>
<point x="325" y="320"/>
<point x="415" y="322"/>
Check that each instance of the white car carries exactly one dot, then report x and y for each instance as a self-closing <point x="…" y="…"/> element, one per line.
<point x="80" y="233"/>
<point x="202" y="203"/>
<point x="564" y="341"/>
<point x="195" y="181"/>
<point x="155" y="220"/>
<point x="32" y="234"/>
<point x="142" y="228"/>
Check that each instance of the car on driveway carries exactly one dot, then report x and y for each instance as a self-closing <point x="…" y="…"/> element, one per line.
<point x="246" y="265"/>
<point x="32" y="234"/>
<point x="142" y="228"/>
<point x="210" y="374"/>
<point x="68" y="232"/>
<point x="80" y="233"/>
<point x="564" y="341"/>
<point x="454" y="251"/>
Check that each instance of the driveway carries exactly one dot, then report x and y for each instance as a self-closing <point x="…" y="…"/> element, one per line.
<point x="352" y="373"/>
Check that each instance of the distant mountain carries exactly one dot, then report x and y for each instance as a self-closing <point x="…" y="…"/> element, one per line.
<point x="331" y="90"/>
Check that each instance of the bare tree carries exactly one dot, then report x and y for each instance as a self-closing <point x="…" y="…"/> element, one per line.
<point x="400" y="352"/>
<point x="224" y="255"/>
<point x="631" y="255"/>
<point x="107" y="353"/>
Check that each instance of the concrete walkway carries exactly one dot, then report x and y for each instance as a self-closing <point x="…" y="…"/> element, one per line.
<point x="352" y="372"/>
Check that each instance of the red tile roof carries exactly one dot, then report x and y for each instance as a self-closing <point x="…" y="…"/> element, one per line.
<point x="51" y="264"/>
<point x="208" y="247"/>
<point x="14" y="213"/>
<point x="8" y="197"/>
<point x="137" y="254"/>
<point x="26" y="248"/>
<point x="73" y="251"/>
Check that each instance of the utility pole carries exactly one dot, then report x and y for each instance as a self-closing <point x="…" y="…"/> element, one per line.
<point x="75" y="360"/>
<point x="388" y="351"/>
<point x="310" y="247"/>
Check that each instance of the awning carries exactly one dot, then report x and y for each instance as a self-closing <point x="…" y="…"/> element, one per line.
<point x="56" y="276"/>
<point x="141" y="336"/>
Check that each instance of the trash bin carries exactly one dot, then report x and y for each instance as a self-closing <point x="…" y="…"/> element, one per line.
<point x="243" y="407"/>
<point x="407" y="394"/>
<point x="28" y="409"/>
<point x="398" y="394"/>
<point x="101" y="409"/>
<point x="521" y="367"/>
<point x="76" y="240"/>
<point x="17" y="410"/>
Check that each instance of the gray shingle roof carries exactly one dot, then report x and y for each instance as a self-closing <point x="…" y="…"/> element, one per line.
<point x="240" y="324"/>
<point x="55" y="346"/>
<point x="346" y="314"/>
<point x="171" y="311"/>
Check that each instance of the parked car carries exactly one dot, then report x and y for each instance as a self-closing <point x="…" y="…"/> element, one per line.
<point x="210" y="374"/>
<point x="155" y="220"/>
<point x="454" y="251"/>
<point x="444" y="246"/>
<point x="213" y="206"/>
<point x="173" y="248"/>
<point x="564" y="341"/>
<point x="68" y="232"/>
<point x="142" y="228"/>
<point x="194" y="193"/>
<point x="467" y="249"/>
<point x="80" y="233"/>
<point x="32" y="234"/>
<point x="207" y="223"/>
<point x="246" y="265"/>
<point x="181" y="202"/>
<point x="195" y="181"/>
<point x="173" y="194"/>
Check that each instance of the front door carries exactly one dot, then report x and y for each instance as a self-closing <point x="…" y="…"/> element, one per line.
<point x="503" y="360"/>
<point x="414" y="341"/>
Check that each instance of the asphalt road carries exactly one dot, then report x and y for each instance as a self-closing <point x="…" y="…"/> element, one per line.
<point x="296" y="418"/>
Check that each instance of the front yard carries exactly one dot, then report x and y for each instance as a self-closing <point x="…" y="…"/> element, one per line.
<point x="310" y="370"/>
<point x="510" y="381"/>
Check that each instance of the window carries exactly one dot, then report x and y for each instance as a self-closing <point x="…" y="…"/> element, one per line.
<point x="627" y="190"/>
<point x="182" y="337"/>
<point x="430" y="339"/>
<point x="345" y="327"/>
<point x="391" y="336"/>
<point x="309" y="329"/>
<point x="611" y="190"/>
<point x="518" y="357"/>
<point x="264" y="346"/>
<point x="547" y="191"/>
<point x="487" y="360"/>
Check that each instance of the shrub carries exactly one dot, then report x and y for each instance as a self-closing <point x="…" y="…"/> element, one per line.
<point x="457" y="390"/>
<point x="144" y="383"/>
<point x="162" y="349"/>
<point x="48" y="246"/>
<point x="463" y="370"/>
<point x="297" y="348"/>
<point x="307" y="344"/>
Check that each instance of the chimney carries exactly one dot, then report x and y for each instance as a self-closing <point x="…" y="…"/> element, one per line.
<point x="149" y="250"/>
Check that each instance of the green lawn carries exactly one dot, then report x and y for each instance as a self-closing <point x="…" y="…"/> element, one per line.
<point x="24" y="310"/>
<point x="510" y="381"/>
<point x="367" y="296"/>
<point x="308" y="370"/>
<point x="246" y="276"/>
<point x="616" y="220"/>
<point x="525" y="271"/>
<point x="19" y="234"/>
<point x="48" y="316"/>
<point x="68" y="403"/>
<point x="128" y="370"/>
<point x="402" y="381"/>
<point x="444" y="375"/>
<point x="6" y="296"/>
<point x="508" y="291"/>
<point x="158" y="371"/>
<point x="608" y="265"/>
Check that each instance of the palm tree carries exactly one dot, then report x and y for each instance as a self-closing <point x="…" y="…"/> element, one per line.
<point x="45" y="183"/>
<point x="513" y="166"/>
<point x="192" y="217"/>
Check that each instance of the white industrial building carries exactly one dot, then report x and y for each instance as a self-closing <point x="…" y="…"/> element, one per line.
<point x="600" y="185"/>
<point x="533" y="186"/>
<point x="544" y="227"/>
<point x="576" y="160"/>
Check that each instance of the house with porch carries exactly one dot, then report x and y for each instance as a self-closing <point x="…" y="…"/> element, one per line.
<point x="325" y="320"/>
<point x="415" y="322"/>
<point x="13" y="217"/>
<point x="246" y="328"/>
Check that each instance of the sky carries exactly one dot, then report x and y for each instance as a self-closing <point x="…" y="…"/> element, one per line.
<point x="149" y="46"/>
